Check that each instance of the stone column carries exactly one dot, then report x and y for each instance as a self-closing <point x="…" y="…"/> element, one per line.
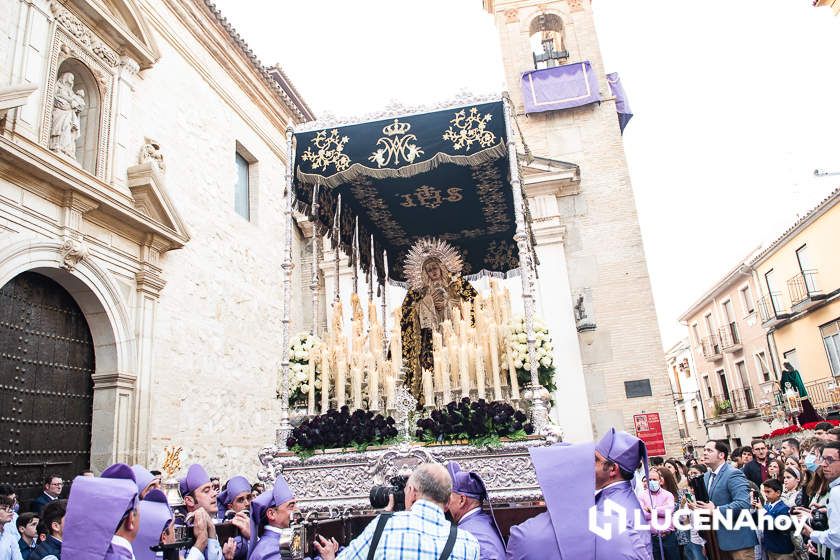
<point x="149" y="286"/>
<point x="555" y="306"/>
<point x="123" y="102"/>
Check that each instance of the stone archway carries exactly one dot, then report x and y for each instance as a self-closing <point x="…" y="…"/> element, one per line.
<point x="112" y="429"/>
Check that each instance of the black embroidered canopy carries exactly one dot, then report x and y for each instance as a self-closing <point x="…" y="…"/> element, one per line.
<point x="443" y="174"/>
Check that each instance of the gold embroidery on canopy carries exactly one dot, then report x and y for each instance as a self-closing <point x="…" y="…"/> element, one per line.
<point x="330" y="151"/>
<point x="430" y="197"/>
<point x="488" y="180"/>
<point x="378" y="212"/>
<point x="396" y="144"/>
<point x="500" y="254"/>
<point x="470" y="129"/>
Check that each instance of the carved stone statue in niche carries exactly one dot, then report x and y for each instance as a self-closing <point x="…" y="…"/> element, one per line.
<point x="150" y="152"/>
<point x="66" y="121"/>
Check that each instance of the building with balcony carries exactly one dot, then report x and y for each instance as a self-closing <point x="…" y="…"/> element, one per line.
<point x="798" y="279"/>
<point x="688" y="401"/>
<point x="731" y="357"/>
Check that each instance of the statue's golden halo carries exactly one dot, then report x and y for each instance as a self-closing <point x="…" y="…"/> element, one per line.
<point x="430" y="248"/>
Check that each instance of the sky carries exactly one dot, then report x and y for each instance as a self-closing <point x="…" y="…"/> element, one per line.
<point x="735" y="103"/>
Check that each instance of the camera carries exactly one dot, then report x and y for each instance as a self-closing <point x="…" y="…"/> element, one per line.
<point x="819" y="520"/>
<point x="225" y="529"/>
<point x="396" y="487"/>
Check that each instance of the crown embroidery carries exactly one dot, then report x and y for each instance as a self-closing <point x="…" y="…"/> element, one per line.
<point x="396" y="144"/>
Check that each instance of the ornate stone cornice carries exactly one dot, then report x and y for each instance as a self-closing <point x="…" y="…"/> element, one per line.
<point x="73" y="251"/>
<point x="83" y="35"/>
<point x="114" y="380"/>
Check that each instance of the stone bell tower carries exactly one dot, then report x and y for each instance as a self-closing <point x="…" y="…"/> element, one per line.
<point x="585" y="217"/>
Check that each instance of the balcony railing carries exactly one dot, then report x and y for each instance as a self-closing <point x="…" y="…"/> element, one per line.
<point x="772" y="308"/>
<point x="720" y="405"/>
<point x="819" y="392"/>
<point x="711" y="347"/>
<point x="730" y="339"/>
<point x="742" y="399"/>
<point x="803" y="286"/>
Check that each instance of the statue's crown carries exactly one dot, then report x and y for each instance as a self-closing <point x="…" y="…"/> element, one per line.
<point x="396" y="128"/>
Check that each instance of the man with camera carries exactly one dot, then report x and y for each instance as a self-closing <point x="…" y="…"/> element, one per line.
<point x="827" y="535"/>
<point x="422" y="532"/>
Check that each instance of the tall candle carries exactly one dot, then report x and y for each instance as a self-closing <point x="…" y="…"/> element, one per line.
<point x="494" y="362"/>
<point x="428" y="390"/>
<point x="396" y="342"/>
<point x="356" y="379"/>
<point x="437" y="346"/>
<point x="340" y="380"/>
<point x="514" y="382"/>
<point x="452" y="346"/>
<point x="479" y="372"/>
<point x="373" y="383"/>
<point x="325" y="379"/>
<point x="463" y="365"/>
<point x="389" y="389"/>
<point x="310" y="408"/>
<point x="446" y="379"/>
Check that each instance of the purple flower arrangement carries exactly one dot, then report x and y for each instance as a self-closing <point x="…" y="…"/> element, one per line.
<point x="480" y="422"/>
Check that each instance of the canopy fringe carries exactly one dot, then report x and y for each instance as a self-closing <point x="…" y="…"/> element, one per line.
<point x="358" y="170"/>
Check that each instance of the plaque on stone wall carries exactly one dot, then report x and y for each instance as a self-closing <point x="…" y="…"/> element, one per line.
<point x="637" y="388"/>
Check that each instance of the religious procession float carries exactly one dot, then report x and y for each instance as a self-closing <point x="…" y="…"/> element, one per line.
<point x="429" y="210"/>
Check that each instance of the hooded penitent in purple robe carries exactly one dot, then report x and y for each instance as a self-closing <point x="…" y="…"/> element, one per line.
<point x="155" y="515"/>
<point x="233" y="488"/>
<point x="566" y="474"/>
<point x="269" y="541"/>
<point x="117" y="552"/>
<point x="143" y="477"/>
<point x="196" y="477"/>
<point x="94" y="511"/>
<point x="480" y="524"/>
<point x="627" y="452"/>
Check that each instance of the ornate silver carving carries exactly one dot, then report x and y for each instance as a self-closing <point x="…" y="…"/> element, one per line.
<point x="404" y="407"/>
<point x="83" y="35"/>
<point x="395" y="109"/>
<point x="285" y="429"/>
<point x="539" y="410"/>
<point x="343" y="479"/>
<point x="72" y="252"/>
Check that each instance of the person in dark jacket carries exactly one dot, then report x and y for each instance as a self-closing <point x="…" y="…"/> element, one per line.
<point x="53" y="519"/>
<point x="776" y="543"/>
<point x="53" y="485"/>
<point x="756" y="470"/>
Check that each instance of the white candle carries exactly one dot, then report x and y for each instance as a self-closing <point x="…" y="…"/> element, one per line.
<point x="479" y="372"/>
<point x="356" y="380"/>
<point x="463" y="369"/>
<point x="396" y="342"/>
<point x="389" y="390"/>
<point x="340" y="380"/>
<point x="494" y="362"/>
<point x="514" y="382"/>
<point x="325" y="378"/>
<point x="373" y="383"/>
<point x="446" y="379"/>
<point x="428" y="390"/>
<point x="310" y="408"/>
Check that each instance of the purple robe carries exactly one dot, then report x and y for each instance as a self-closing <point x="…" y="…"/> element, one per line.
<point x="632" y="543"/>
<point x="241" y="548"/>
<point x="117" y="553"/>
<point x="481" y="526"/>
<point x="267" y="548"/>
<point x="533" y="539"/>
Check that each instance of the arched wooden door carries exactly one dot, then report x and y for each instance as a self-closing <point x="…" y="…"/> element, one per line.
<point x="46" y="388"/>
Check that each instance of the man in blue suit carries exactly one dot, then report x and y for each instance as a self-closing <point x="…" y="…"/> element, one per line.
<point x="729" y="493"/>
<point x="52" y="488"/>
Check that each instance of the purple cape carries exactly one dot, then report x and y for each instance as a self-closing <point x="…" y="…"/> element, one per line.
<point x="276" y="496"/>
<point x="483" y="528"/>
<point x="630" y="543"/>
<point x="268" y="548"/>
<point x="155" y="515"/>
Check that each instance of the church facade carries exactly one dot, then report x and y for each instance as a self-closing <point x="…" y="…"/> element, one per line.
<point x="142" y="168"/>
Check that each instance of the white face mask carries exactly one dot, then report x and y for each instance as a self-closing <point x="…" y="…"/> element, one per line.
<point x="653" y="485"/>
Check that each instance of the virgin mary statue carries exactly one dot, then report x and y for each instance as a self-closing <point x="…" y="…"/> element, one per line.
<point x="435" y="288"/>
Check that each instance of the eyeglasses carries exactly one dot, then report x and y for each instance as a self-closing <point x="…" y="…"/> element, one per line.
<point x="828" y="460"/>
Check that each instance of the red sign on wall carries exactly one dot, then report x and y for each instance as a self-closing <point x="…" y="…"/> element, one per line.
<point x="649" y="430"/>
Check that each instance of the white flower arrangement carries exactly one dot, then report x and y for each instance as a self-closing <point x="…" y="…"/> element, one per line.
<point x="301" y="347"/>
<point x="516" y="344"/>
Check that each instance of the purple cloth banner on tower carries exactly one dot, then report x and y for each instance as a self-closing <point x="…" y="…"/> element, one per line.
<point x="621" y="103"/>
<point x="560" y="87"/>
